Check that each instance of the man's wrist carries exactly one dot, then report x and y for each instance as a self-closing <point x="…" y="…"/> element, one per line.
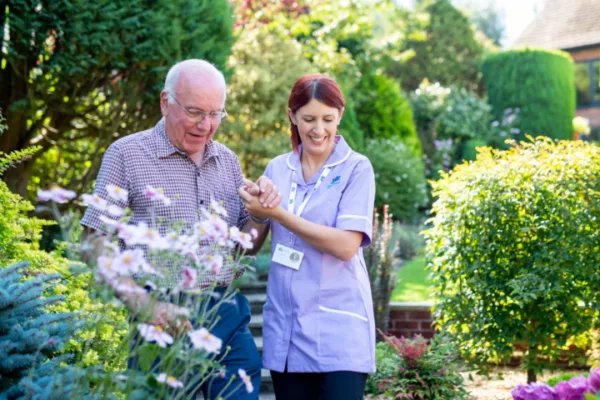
<point x="258" y="220"/>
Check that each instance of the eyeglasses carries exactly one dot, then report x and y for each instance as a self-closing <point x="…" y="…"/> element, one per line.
<point x="197" y="115"/>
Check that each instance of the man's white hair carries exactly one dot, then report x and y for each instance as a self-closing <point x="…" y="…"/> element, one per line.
<point x="197" y="66"/>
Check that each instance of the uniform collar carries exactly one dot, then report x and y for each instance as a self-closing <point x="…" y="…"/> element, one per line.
<point x="340" y="153"/>
<point x="165" y="148"/>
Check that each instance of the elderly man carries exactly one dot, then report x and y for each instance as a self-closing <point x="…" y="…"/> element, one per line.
<point x="180" y="156"/>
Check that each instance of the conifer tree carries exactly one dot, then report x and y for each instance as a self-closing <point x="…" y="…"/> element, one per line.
<point x="29" y="336"/>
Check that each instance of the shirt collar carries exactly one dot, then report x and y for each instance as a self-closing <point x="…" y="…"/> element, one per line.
<point x="340" y="153"/>
<point x="165" y="148"/>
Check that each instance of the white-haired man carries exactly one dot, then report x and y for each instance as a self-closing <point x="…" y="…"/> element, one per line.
<point x="180" y="156"/>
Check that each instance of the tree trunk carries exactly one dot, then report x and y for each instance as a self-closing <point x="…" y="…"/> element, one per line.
<point x="531" y="359"/>
<point x="17" y="177"/>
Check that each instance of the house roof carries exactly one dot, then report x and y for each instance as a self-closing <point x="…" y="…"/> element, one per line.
<point x="564" y="24"/>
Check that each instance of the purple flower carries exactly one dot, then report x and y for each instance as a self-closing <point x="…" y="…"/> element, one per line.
<point x="594" y="380"/>
<point x="572" y="389"/>
<point x="534" y="391"/>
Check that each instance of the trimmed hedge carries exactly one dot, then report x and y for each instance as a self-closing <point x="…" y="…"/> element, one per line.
<point x="539" y="83"/>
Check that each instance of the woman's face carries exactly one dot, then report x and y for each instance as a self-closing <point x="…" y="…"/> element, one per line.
<point x="317" y="125"/>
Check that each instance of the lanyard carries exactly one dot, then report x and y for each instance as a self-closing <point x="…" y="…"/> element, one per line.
<point x="294" y="189"/>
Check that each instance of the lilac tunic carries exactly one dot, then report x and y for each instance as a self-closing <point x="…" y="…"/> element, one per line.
<point x="320" y="317"/>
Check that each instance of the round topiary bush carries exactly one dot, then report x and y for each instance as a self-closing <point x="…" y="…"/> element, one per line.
<point x="514" y="248"/>
<point x="540" y="83"/>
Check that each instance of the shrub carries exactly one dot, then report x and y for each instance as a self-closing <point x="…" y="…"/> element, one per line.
<point x="410" y="241"/>
<point x="412" y="369"/>
<point x="538" y="82"/>
<point x="29" y="335"/>
<point x="514" y="247"/>
<point x="104" y="325"/>
<point x="384" y="113"/>
<point x="399" y="177"/>
<point x="452" y="122"/>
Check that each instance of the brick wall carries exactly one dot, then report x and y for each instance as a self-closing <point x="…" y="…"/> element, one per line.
<point x="409" y="319"/>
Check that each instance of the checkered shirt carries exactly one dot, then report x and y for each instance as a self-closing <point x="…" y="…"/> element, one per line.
<point x="149" y="158"/>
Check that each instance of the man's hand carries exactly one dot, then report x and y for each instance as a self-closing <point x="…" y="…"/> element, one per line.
<point x="267" y="193"/>
<point x="270" y="196"/>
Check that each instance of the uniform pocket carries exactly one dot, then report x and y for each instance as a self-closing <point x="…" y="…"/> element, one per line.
<point x="343" y="312"/>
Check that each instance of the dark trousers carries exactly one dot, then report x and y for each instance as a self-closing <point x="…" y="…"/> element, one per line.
<point x="238" y="350"/>
<point x="232" y="329"/>
<point x="337" y="385"/>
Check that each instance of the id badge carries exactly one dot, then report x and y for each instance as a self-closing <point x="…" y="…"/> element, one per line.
<point x="287" y="256"/>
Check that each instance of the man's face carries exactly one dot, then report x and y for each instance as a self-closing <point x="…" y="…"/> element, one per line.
<point x="187" y="128"/>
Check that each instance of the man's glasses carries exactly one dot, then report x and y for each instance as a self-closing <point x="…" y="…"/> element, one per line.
<point x="197" y="115"/>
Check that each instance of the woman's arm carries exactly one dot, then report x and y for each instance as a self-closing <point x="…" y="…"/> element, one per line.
<point x="337" y="242"/>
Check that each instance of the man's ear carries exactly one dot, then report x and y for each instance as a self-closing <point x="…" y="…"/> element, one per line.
<point x="164" y="103"/>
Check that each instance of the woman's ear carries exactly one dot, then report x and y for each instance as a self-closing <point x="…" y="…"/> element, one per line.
<point x="292" y="116"/>
<point x="341" y="114"/>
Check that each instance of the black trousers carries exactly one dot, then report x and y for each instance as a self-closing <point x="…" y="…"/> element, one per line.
<point x="336" y="385"/>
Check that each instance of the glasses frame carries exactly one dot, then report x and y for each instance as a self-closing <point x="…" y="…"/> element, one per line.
<point x="198" y="115"/>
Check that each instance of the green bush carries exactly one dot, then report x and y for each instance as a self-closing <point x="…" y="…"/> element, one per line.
<point x="412" y="369"/>
<point x="399" y="177"/>
<point x="538" y="82"/>
<point x="383" y="112"/>
<point x="452" y="122"/>
<point x="514" y="248"/>
<point x="103" y="325"/>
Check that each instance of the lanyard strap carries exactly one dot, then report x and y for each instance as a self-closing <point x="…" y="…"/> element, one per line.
<point x="294" y="189"/>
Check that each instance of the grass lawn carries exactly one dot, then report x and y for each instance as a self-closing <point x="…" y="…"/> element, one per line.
<point x="412" y="283"/>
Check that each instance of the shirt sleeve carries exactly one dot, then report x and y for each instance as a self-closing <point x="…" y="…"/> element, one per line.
<point x="239" y="179"/>
<point x="112" y="171"/>
<point x="355" y="210"/>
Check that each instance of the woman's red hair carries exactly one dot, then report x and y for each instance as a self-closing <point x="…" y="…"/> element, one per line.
<point x="313" y="86"/>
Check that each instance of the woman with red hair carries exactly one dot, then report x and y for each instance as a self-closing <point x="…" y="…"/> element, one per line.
<point x="318" y="333"/>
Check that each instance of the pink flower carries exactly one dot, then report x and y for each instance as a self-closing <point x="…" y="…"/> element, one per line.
<point x="594" y="380"/>
<point x="218" y="208"/>
<point x="534" y="391"/>
<point x="214" y="263"/>
<point x="157" y="194"/>
<point x="572" y="389"/>
<point x="242" y="238"/>
<point x="117" y="193"/>
<point x="154" y="333"/>
<point x="246" y="380"/>
<point x="55" y="194"/>
<point x="95" y="201"/>
<point x="169" y="380"/>
<point x="188" y="277"/>
<point x="202" y="339"/>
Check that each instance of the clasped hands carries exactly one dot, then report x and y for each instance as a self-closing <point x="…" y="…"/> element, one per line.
<point x="261" y="198"/>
